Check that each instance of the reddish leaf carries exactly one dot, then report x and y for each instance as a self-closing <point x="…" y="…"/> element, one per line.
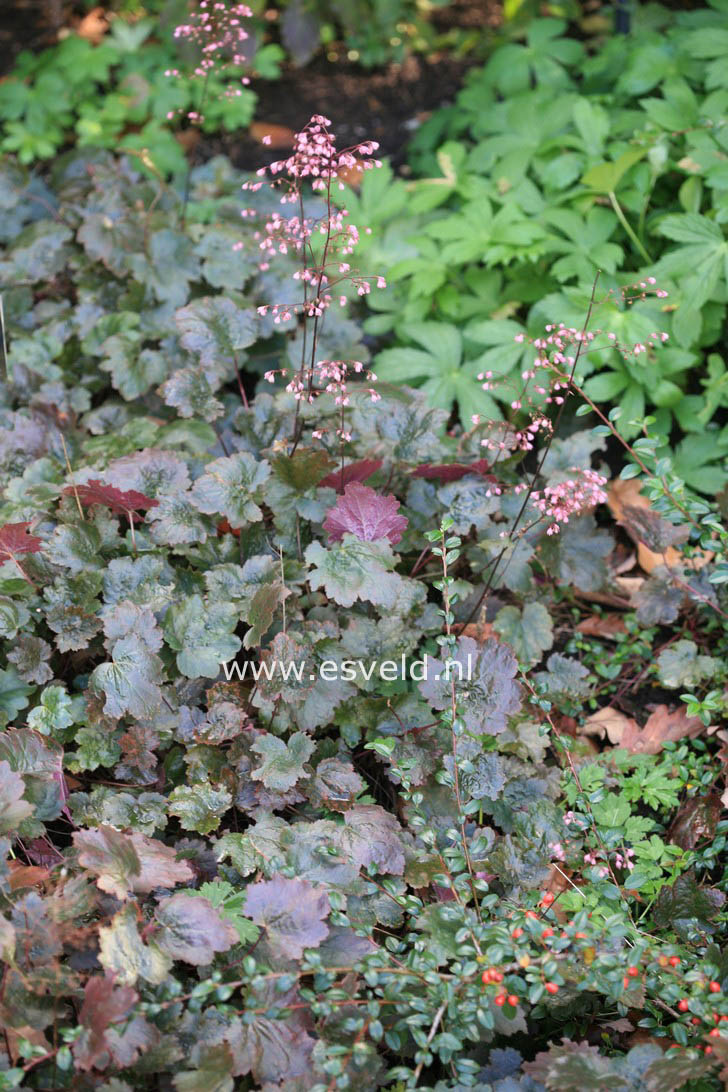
<point x="104" y="1004"/>
<point x="366" y="514"/>
<point x="15" y="541"/>
<point x="118" y="500"/>
<point x="354" y="472"/>
<point x="451" y="472"/>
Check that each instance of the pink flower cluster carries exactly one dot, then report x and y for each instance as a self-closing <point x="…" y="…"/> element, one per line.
<point x="569" y="498"/>
<point x="329" y="376"/>
<point x="315" y="160"/>
<point x="216" y="27"/>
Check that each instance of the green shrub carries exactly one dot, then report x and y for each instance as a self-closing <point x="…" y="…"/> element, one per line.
<point x="553" y="165"/>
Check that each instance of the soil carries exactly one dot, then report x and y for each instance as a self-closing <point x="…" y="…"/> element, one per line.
<point x="385" y="105"/>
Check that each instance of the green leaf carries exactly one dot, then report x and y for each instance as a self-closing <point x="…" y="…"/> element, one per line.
<point x="528" y="631"/>
<point x="283" y="764"/>
<point x="216" y="331"/>
<point x="230" y="486"/>
<point x="53" y="714"/>
<point x="199" y="807"/>
<point x="353" y="569"/>
<point x="681" y="667"/>
<point x="13" y="808"/>
<point x="189" y="392"/>
<point x="202" y="634"/>
<point x="605" y="177"/>
<point x="13" y="693"/>
<point x="130" y="682"/>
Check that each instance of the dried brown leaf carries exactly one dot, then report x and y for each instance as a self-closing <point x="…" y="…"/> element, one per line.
<point x="663" y="726"/>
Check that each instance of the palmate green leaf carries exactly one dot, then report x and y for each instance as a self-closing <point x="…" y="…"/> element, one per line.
<point x="13" y="615"/>
<point x="14" y="693"/>
<point x="53" y="713"/>
<point x="230" y="486"/>
<point x="577" y="555"/>
<point x="199" y="807"/>
<point x="700" y="264"/>
<point x="528" y="631"/>
<point x="438" y="369"/>
<point x="564" y="678"/>
<point x="189" y="392"/>
<point x="134" y="370"/>
<point x="13" y="808"/>
<point x="167" y="267"/>
<point x="130" y="682"/>
<point x="29" y="655"/>
<point x="680" y="666"/>
<point x="177" y="522"/>
<point x="353" y="569"/>
<point x="216" y="331"/>
<point x="282" y="764"/>
<point x="153" y="472"/>
<point x="202" y="634"/>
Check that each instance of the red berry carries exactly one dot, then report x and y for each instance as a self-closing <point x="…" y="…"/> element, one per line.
<point x="708" y="1050"/>
<point x="500" y="1000"/>
<point x="579" y="936"/>
<point x="531" y="914"/>
<point x="632" y="972"/>
<point x="512" y="1000"/>
<point x="551" y="987"/>
<point x="695" y="1020"/>
<point x="547" y="933"/>
<point x="485" y="978"/>
<point x="714" y="987"/>
<point x="714" y="1033"/>
<point x="674" y="961"/>
<point x="547" y="899"/>
<point x="496" y="976"/>
<point x="625" y="982"/>
<point x="683" y="1005"/>
<point x="517" y="932"/>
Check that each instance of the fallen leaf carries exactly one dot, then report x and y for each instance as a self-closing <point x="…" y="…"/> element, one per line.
<point x="93" y="26"/>
<point x="26" y="875"/>
<point x="479" y="631"/>
<point x="596" y="625"/>
<point x="630" y="585"/>
<point x="623" y="495"/>
<point x="609" y="722"/>
<point x="280" y="135"/>
<point x="663" y="726"/>
<point x="655" y="537"/>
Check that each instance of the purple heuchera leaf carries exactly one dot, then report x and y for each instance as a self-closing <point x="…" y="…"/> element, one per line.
<point x="366" y="514"/>
<point x="291" y="912"/>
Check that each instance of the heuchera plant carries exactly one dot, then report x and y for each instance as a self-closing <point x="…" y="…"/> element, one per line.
<point x="321" y="876"/>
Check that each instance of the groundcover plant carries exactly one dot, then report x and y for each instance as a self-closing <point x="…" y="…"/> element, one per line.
<point x="302" y="678"/>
